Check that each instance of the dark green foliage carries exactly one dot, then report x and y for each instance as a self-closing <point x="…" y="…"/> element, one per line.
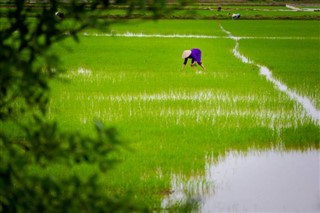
<point x="297" y="137"/>
<point x="26" y="69"/>
<point x="24" y="191"/>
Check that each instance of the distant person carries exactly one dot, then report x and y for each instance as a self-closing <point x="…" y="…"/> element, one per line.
<point x="195" y="56"/>
<point x="235" y="16"/>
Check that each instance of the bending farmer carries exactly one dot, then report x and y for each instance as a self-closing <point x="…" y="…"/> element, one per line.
<point x="195" y="56"/>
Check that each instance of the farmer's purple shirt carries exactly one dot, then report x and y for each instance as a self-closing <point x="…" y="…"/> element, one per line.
<point x="194" y="56"/>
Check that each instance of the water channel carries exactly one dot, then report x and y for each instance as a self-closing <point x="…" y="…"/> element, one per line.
<point x="255" y="181"/>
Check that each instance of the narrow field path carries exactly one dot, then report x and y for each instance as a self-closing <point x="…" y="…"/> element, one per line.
<point x="311" y="110"/>
<point x="143" y="35"/>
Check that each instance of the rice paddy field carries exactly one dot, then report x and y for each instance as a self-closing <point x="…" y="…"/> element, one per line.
<point x="251" y="10"/>
<point x="212" y="12"/>
<point x="172" y="120"/>
<point x="260" y="92"/>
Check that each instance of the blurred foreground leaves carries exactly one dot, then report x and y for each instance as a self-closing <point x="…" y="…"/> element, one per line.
<point x="28" y="141"/>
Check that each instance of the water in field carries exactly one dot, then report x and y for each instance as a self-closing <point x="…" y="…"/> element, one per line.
<point x="266" y="181"/>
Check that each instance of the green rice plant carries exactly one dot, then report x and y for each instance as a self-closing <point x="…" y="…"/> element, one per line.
<point x="171" y="27"/>
<point x="171" y="119"/>
<point x="206" y="11"/>
<point x="273" y="28"/>
<point x="292" y="55"/>
<point x="252" y="13"/>
<point x="211" y="12"/>
<point x="299" y="70"/>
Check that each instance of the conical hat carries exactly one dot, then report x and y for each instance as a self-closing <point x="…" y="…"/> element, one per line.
<point x="186" y="53"/>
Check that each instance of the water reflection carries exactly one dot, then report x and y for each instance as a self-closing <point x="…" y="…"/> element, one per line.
<point x="267" y="181"/>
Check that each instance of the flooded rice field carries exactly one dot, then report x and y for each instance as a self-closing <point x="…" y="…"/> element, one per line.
<point x="256" y="181"/>
<point x="303" y="100"/>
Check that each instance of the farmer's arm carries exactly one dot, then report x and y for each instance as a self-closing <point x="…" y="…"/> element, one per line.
<point x="200" y="64"/>
<point x="204" y="69"/>
<point x="193" y="65"/>
<point x="184" y="63"/>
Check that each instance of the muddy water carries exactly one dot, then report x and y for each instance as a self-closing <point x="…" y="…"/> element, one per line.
<point x="257" y="181"/>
